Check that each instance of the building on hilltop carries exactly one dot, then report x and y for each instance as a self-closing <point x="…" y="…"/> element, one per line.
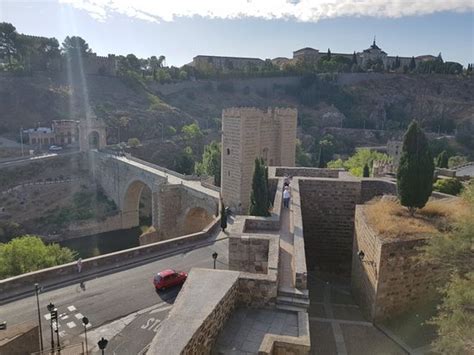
<point x="249" y="133"/>
<point x="62" y="132"/>
<point x="226" y="63"/>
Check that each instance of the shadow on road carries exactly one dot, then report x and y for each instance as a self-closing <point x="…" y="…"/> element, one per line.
<point x="169" y="295"/>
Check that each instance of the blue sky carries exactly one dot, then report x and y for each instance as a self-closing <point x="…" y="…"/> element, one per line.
<point x="256" y="28"/>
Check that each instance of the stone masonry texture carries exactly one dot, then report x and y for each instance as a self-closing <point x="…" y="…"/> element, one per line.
<point x="250" y="133"/>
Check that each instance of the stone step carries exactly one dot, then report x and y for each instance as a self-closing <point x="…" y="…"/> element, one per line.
<point x="293" y="301"/>
<point x="293" y="292"/>
<point x="285" y="307"/>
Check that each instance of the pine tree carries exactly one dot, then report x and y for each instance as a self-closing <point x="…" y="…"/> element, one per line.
<point x="259" y="195"/>
<point x="329" y="54"/>
<point x="223" y="217"/>
<point x="366" y="171"/>
<point x="415" y="171"/>
<point x="354" y="58"/>
<point x="442" y="160"/>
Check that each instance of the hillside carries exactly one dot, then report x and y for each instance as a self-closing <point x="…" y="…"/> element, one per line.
<point x="367" y="100"/>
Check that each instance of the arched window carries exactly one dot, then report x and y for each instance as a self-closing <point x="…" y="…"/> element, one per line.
<point x="228" y="151"/>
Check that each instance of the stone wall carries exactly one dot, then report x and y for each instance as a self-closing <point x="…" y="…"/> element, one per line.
<point x="307" y="172"/>
<point x="19" y="339"/>
<point x="376" y="187"/>
<point x="248" y="254"/>
<point x="389" y="280"/>
<point x="328" y="207"/>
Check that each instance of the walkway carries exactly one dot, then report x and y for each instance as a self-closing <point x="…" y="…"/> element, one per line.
<point x="337" y="325"/>
<point x="285" y="268"/>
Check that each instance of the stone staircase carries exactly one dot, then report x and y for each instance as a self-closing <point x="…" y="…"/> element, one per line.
<point x="292" y="299"/>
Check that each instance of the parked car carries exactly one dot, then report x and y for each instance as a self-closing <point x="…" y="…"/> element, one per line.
<point x="55" y="148"/>
<point x="169" y="278"/>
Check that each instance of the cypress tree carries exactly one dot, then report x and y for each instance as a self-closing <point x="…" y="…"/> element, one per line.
<point x="329" y="54"/>
<point x="223" y="217"/>
<point x="259" y="194"/>
<point x="354" y="58"/>
<point x="415" y="171"/>
<point x="442" y="160"/>
<point x="412" y="65"/>
<point x="366" y="171"/>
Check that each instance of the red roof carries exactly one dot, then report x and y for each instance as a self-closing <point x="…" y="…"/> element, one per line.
<point x="166" y="272"/>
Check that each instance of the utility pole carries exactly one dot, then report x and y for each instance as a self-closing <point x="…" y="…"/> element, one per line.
<point x="21" y="140"/>
<point x="37" y="289"/>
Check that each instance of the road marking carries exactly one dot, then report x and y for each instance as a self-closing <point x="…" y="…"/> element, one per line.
<point x="88" y="325"/>
<point x="64" y="317"/>
<point x="79" y="315"/>
<point x="161" y="309"/>
<point x="47" y="316"/>
<point x="71" y="325"/>
<point x="71" y="308"/>
<point x="62" y="333"/>
<point x="151" y="324"/>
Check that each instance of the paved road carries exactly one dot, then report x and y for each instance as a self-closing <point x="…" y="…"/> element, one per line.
<point x="122" y="306"/>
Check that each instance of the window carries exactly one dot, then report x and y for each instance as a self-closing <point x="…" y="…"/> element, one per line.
<point x="228" y="151"/>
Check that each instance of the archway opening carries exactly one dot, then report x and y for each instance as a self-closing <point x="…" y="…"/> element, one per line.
<point x="196" y="220"/>
<point x="137" y="207"/>
<point x="94" y="139"/>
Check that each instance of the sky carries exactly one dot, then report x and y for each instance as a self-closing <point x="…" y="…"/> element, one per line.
<point x="182" y="29"/>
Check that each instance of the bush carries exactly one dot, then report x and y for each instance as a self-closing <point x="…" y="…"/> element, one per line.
<point x="133" y="142"/>
<point x="448" y="186"/>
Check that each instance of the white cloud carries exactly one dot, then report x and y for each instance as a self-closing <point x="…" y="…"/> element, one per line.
<point x="300" y="10"/>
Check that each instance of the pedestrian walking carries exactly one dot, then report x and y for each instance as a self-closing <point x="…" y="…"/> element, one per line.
<point x="79" y="265"/>
<point x="286" y="180"/>
<point x="286" y="197"/>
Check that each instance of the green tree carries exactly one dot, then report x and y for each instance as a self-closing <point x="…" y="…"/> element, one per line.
<point x="456" y="161"/>
<point x="75" y="47"/>
<point x="355" y="164"/>
<point x="442" y="160"/>
<point x="133" y="142"/>
<point x="354" y="58"/>
<point x="184" y="163"/>
<point x="192" y="134"/>
<point x="223" y="217"/>
<point x="302" y="157"/>
<point x="259" y="203"/>
<point x="448" y="186"/>
<point x="328" y="55"/>
<point x="133" y="62"/>
<point x="415" y="171"/>
<point x="29" y="253"/>
<point x="211" y="162"/>
<point x="366" y="171"/>
<point x="8" y="41"/>
<point x="412" y="64"/>
<point x="453" y="254"/>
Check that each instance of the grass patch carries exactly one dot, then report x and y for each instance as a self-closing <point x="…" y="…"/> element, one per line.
<point x="389" y="219"/>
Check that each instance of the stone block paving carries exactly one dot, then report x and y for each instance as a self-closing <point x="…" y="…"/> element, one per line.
<point x="246" y="328"/>
<point x="337" y="325"/>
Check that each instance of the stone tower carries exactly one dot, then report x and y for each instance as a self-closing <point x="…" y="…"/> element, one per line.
<point x="92" y="134"/>
<point x="248" y="133"/>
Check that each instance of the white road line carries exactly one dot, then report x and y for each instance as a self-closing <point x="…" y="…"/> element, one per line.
<point x="72" y="325"/>
<point x="79" y="315"/>
<point x="64" y="317"/>
<point x="71" y="308"/>
<point x="47" y="316"/>
<point x="62" y="333"/>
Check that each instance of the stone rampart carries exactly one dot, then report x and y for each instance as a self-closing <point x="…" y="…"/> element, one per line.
<point x="307" y="172"/>
<point x="194" y="322"/>
<point x="376" y="187"/>
<point x="389" y="280"/>
<point x="299" y="256"/>
<point x="20" y="339"/>
<point x="328" y="207"/>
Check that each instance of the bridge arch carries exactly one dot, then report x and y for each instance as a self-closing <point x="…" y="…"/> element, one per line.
<point x="137" y="204"/>
<point x="93" y="139"/>
<point x="196" y="219"/>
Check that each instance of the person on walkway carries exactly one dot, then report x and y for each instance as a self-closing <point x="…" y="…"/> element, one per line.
<point x="79" y="265"/>
<point x="286" y="180"/>
<point x="286" y="197"/>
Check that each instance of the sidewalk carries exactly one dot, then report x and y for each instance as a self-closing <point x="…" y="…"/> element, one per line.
<point x="62" y="281"/>
<point x="285" y="268"/>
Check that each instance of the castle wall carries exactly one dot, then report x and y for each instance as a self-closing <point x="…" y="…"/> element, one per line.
<point x="389" y="280"/>
<point x="328" y="207"/>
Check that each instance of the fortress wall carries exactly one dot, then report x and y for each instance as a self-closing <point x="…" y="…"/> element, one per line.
<point x="390" y="280"/>
<point x="307" y="172"/>
<point x="327" y="208"/>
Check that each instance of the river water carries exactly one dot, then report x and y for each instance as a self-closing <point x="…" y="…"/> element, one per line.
<point x="104" y="243"/>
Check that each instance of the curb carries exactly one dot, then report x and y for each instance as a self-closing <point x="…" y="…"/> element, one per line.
<point x="110" y="270"/>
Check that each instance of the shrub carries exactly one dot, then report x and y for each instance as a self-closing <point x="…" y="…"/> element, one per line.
<point x="448" y="186"/>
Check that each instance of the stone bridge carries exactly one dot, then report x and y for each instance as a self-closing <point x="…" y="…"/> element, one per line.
<point x="179" y="204"/>
<point x="466" y="169"/>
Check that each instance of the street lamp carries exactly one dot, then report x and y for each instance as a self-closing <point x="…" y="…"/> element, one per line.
<point x="37" y="290"/>
<point x="85" y="321"/>
<point x="214" y="256"/>
<point x="50" y="307"/>
<point x="102" y="344"/>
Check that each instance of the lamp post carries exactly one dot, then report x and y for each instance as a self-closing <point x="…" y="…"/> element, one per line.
<point x="21" y="140"/>
<point x="85" y="321"/>
<point x="50" y="309"/>
<point x="214" y="256"/>
<point x="102" y="344"/>
<point x="37" y="290"/>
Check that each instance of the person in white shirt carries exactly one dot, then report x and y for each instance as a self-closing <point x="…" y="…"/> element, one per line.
<point x="286" y="197"/>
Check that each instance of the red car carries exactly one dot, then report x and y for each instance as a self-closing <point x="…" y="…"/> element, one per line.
<point x="169" y="278"/>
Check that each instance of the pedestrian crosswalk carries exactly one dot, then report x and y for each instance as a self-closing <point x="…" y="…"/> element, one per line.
<point x="73" y="318"/>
